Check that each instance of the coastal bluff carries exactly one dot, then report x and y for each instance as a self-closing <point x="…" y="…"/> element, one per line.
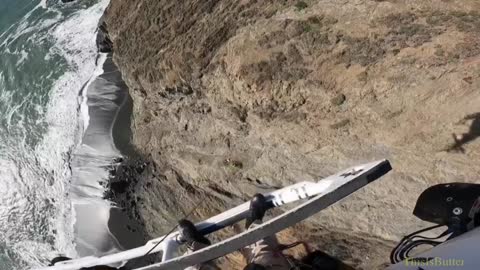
<point x="231" y="98"/>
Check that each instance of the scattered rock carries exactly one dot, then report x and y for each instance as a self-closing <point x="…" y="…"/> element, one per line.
<point x="119" y="187"/>
<point x="340" y="124"/>
<point x="300" y="5"/>
<point x="233" y="163"/>
<point x="362" y="76"/>
<point x="338" y="99"/>
<point x="468" y="79"/>
<point x="104" y="44"/>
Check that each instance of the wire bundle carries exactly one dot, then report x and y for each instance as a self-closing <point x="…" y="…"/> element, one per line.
<point x="413" y="240"/>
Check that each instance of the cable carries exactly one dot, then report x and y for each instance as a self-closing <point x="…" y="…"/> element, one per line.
<point x="393" y="255"/>
<point x="409" y="248"/>
<point x="408" y="243"/>
<point x="174" y="228"/>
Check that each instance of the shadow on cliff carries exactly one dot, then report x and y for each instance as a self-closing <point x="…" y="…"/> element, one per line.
<point x="465" y="138"/>
<point x="319" y="260"/>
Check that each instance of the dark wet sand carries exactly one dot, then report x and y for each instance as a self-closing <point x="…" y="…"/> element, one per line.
<point x="129" y="233"/>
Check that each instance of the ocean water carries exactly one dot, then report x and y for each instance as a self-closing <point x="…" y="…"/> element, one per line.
<point x="47" y="54"/>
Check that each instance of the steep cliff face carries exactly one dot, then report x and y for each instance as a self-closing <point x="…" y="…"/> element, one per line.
<point x="237" y="97"/>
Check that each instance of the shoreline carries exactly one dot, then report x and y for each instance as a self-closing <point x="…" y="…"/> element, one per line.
<point x="127" y="230"/>
<point x="124" y="224"/>
<point x="90" y="161"/>
<point x="101" y="226"/>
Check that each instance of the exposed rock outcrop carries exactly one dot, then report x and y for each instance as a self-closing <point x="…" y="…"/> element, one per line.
<point x="236" y="97"/>
<point x="104" y="44"/>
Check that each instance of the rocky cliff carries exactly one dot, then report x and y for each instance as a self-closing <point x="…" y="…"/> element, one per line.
<point x="237" y="97"/>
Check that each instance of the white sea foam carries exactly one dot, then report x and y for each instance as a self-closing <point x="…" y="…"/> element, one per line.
<point x="24" y="27"/>
<point x="75" y="41"/>
<point x="43" y="3"/>
<point x="47" y="179"/>
<point x="24" y="56"/>
<point x="84" y="107"/>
